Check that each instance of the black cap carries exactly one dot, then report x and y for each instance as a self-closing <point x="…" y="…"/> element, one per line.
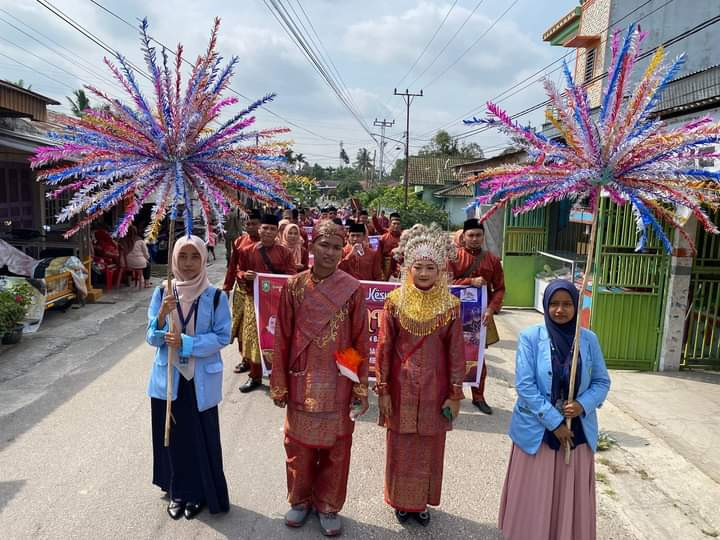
<point x="331" y="209"/>
<point x="357" y="228"/>
<point x="270" y="219"/>
<point x="394" y="215"/>
<point x="324" y="210"/>
<point x="254" y="214"/>
<point x="363" y="213"/>
<point x="349" y="222"/>
<point x="473" y="223"/>
<point x="337" y="221"/>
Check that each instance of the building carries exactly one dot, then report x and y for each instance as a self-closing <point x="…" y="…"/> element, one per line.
<point x="434" y="179"/>
<point x="670" y="302"/>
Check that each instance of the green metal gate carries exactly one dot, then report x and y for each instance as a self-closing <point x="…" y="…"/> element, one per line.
<point x="628" y="297"/>
<point x="702" y="323"/>
<point x="525" y="235"/>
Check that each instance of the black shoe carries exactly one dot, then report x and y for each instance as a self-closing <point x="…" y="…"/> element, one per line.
<point x="175" y="509"/>
<point x="250" y="385"/>
<point x="401" y="516"/>
<point x="484" y="407"/>
<point x="192" y="510"/>
<point x="242" y="367"/>
<point x="423" y="518"/>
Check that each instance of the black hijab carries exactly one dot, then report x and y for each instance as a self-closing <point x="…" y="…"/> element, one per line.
<point x="561" y="338"/>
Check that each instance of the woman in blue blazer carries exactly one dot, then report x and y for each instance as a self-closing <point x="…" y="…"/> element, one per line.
<point x="190" y="470"/>
<point x="543" y="497"/>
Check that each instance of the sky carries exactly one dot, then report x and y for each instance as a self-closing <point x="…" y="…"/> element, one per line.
<point x="373" y="44"/>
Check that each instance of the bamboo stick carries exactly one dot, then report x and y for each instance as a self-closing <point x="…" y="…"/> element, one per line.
<point x="168" y="290"/>
<point x="589" y="269"/>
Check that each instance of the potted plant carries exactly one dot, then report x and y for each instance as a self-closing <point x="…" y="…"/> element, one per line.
<point x="14" y="302"/>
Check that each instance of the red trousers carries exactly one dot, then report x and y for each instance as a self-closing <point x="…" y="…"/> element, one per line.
<point x="478" y="393"/>
<point x="318" y="476"/>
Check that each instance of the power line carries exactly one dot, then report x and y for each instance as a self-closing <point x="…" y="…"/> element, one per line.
<point x="672" y="41"/>
<point x="408" y="98"/>
<point x="427" y="45"/>
<point x="264" y="107"/>
<point x="279" y="11"/>
<point x="499" y="98"/>
<point x="474" y="43"/>
<point x="477" y="6"/>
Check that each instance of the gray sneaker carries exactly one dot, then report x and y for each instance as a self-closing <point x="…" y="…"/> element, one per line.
<point x="330" y="524"/>
<point x="297" y="516"/>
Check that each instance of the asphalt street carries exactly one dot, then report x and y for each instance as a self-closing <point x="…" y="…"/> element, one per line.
<point x="75" y="454"/>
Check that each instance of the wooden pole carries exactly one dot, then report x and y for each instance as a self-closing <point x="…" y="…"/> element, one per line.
<point x="168" y="290"/>
<point x="576" y="341"/>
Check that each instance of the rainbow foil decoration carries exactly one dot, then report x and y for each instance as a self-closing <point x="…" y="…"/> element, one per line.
<point x="624" y="152"/>
<point x="168" y="152"/>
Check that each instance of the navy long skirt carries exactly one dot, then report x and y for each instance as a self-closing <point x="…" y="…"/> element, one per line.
<point x="191" y="469"/>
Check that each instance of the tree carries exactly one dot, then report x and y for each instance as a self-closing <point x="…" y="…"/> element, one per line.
<point x="21" y="84"/>
<point x="300" y="158"/>
<point x="392" y="197"/>
<point x="363" y="162"/>
<point x="398" y="170"/>
<point x="80" y="103"/>
<point x="443" y="145"/>
<point x="344" y="157"/>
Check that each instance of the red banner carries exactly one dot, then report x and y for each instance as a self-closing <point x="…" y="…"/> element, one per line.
<point x="473" y="302"/>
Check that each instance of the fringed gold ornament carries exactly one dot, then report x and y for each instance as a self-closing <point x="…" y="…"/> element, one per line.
<point x="422" y="312"/>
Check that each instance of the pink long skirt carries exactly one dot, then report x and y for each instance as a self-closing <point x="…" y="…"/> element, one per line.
<point x="545" y="499"/>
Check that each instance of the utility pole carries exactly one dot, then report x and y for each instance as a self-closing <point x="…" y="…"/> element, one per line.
<point x="372" y="174"/>
<point x="382" y="124"/>
<point x="408" y="99"/>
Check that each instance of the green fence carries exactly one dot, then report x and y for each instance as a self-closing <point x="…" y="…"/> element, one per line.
<point x="628" y="291"/>
<point x="525" y="235"/>
<point x="702" y="323"/>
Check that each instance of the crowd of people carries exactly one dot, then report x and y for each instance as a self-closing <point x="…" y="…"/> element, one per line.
<point x="320" y="370"/>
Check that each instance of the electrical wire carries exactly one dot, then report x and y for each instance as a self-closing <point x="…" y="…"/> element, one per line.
<point x="427" y="45"/>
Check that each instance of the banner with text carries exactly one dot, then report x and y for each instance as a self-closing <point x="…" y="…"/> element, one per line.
<point x="473" y="302"/>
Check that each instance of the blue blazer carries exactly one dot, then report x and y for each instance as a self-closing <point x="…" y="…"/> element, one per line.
<point x="533" y="412"/>
<point x="212" y="333"/>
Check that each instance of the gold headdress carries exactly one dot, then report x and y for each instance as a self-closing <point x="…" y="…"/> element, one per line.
<point x="422" y="312"/>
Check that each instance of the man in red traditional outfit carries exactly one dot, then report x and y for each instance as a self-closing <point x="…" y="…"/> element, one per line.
<point x="477" y="267"/>
<point x="321" y="314"/>
<point x="250" y="237"/>
<point x="420" y="370"/>
<point x="359" y="259"/>
<point x="365" y="220"/>
<point x="268" y="257"/>
<point x="388" y="242"/>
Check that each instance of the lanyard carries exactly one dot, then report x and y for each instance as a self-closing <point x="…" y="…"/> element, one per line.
<point x="193" y="311"/>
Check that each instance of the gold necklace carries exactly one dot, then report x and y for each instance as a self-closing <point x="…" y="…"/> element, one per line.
<point x="423" y="312"/>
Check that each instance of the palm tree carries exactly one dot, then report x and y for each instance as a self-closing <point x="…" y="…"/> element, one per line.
<point x="363" y="162"/>
<point x="300" y="158"/>
<point x="80" y="104"/>
<point x="21" y="84"/>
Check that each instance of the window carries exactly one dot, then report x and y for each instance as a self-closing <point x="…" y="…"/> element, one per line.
<point x="589" y="64"/>
<point x="16" y="203"/>
<point x="54" y="206"/>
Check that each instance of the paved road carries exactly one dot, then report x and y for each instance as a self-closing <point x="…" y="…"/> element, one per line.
<point x="75" y="457"/>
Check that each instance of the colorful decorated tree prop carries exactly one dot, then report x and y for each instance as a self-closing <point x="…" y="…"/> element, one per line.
<point x="625" y="153"/>
<point x="163" y="152"/>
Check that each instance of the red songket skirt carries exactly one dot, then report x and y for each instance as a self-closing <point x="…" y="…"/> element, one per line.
<point x="414" y="470"/>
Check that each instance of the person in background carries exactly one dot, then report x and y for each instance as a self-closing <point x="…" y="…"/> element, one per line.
<point x="365" y="220"/>
<point x="233" y="229"/>
<point x="268" y="257"/>
<point x="211" y="241"/>
<point x="388" y="242"/>
<point x="190" y="470"/>
<point x="420" y="370"/>
<point x="543" y="497"/>
<point x="359" y="259"/>
<point x="135" y="252"/>
<point x="322" y="323"/>
<point x="291" y="238"/>
<point x="332" y="213"/>
<point x="251" y="237"/>
<point x="477" y="267"/>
